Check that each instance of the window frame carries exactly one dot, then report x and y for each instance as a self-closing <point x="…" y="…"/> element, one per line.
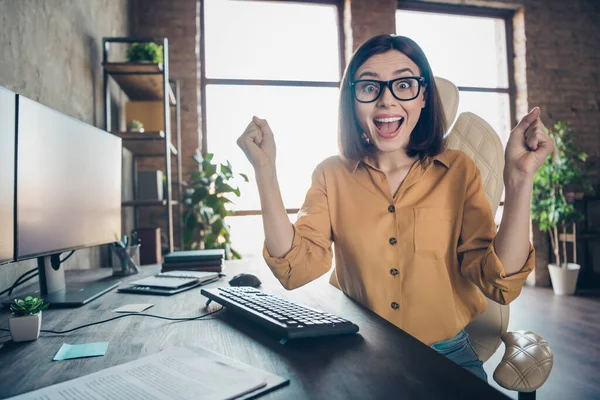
<point x="505" y="14"/>
<point x="204" y="81"/>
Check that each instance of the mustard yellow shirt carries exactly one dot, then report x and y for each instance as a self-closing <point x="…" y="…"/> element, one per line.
<point x="421" y="259"/>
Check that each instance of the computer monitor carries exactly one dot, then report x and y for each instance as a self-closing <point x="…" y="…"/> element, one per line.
<point x="68" y="195"/>
<point x="7" y="175"/>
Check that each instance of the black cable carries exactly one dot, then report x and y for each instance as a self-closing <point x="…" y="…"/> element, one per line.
<point x="18" y="281"/>
<point x="22" y="282"/>
<point x="67" y="257"/>
<point x="127" y="315"/>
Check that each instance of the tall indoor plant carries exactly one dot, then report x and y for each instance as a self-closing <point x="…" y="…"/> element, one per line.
<point x="205" y="197"/>
<point x="552" y="209"/>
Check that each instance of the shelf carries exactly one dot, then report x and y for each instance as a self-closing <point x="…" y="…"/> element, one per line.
<point x="148" y="203"/>
<point x="140" y="81"/>
<point x="147" y="144"/>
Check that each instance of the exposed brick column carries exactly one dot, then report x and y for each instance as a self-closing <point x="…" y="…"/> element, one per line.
<point x="364" y="19"/>
<point x="179" y="22"/>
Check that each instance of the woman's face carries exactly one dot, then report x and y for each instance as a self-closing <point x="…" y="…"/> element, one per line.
<point x="387" y="121"/>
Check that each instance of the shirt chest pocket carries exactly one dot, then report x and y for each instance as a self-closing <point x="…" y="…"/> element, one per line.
<point x="432" y="231"/>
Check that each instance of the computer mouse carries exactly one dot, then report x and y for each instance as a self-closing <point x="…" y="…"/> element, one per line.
<point x="245" y="279"/>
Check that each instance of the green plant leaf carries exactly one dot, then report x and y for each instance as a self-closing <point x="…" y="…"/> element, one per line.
<point x="200" y="194"/>
<point x="28" y="306"/>
<point x="245" y="177"/>
<point x="226" y="169"/>
<point x="208" y="168"/>
<point x="235" y="254"/>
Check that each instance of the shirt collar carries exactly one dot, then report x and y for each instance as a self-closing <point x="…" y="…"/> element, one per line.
<point x="442" y="158"/>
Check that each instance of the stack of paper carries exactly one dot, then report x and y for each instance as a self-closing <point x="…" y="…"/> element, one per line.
<point x="177" y="373"/>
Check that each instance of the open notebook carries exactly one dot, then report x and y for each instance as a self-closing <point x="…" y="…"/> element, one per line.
<point x="170" y="282"/>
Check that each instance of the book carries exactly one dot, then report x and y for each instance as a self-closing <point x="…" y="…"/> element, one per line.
<point x="194" y="264"/>
<point x="175" y="279"/>
<point x="167" y="283"/>
<point x="194" y="255"/>
<point x="216" y="268"/>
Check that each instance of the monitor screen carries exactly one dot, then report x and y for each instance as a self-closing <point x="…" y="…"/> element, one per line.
<point x="7" y="174"/>
<point x="68" y="183"/>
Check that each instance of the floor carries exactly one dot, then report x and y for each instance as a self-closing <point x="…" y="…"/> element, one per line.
<point x="571" y="325"/>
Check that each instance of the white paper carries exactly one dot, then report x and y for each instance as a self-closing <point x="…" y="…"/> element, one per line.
<point x="133" y="308"/>
<point x="176" y="373"/>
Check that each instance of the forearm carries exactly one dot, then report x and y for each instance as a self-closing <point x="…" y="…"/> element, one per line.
<point x="512" y="240"/>
<point x="279" y="232"/>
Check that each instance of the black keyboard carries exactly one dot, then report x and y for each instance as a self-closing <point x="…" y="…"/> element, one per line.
<point x="288" y="319"/>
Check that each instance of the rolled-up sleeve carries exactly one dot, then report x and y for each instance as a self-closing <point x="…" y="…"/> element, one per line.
<point x="478" y="259"/>
<point x="310" y="255"/>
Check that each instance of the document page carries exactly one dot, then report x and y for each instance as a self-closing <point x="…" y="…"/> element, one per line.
<point x="175" y="373"/>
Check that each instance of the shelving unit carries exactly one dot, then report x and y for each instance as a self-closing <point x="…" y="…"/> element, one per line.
<point x="149" y="82"/>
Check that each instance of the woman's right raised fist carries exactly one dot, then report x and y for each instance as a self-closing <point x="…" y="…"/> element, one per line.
<point x="258" y="143"/>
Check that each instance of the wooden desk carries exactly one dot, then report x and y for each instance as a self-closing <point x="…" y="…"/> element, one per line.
<point x="380" y="362"/>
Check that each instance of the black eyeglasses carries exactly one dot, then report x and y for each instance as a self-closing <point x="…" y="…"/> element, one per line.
<point x="403" y="89"/>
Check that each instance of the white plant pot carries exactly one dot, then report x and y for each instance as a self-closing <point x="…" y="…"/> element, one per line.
<point x="564" y="279"/>
<point x="25" y="328"/>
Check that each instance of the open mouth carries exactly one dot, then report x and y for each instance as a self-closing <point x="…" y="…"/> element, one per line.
<point x="388" y="127"/>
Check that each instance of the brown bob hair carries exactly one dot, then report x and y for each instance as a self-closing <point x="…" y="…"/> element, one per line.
<point x="427" y="137"/>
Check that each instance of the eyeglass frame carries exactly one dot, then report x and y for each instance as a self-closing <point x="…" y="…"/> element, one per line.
<point x="388" y="84"/>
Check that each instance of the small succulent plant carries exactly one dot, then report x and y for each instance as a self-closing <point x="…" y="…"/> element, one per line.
<point x="28" y="306"/>
<point x="135" y="125"/>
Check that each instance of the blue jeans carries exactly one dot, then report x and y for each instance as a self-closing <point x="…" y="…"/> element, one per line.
<point x="460" y="350"/>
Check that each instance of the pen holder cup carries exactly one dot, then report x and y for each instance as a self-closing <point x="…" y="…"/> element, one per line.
<point x="122" y="259"/>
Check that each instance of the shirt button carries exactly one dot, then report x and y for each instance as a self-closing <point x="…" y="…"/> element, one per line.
<point x="395" y="305"/>
<point x="393" y="241"/>
<point x="391" y="209"/>
<point x="394" y="271"/>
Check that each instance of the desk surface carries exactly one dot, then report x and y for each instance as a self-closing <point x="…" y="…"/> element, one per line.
<point x="380" y="362"/>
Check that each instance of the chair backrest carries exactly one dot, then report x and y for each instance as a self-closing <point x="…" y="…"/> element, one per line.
<point x="478" y="139"/>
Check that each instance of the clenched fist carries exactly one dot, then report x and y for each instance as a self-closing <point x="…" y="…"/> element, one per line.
<point x="258" y="143"/>
<point x="528" y="147"/>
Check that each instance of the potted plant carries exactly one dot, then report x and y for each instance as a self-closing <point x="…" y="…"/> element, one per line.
<point x="552" y="207"/>
<point x="145" y="52"/>
<point x="204" y="199"/>
<point x="135" y="126"/>
<point x="26" y="321"/>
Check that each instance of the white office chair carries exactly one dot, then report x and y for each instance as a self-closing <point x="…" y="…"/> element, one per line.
<point x="528" y="359"/>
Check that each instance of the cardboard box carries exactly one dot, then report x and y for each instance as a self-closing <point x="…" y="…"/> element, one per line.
<point x="149" y="113"/>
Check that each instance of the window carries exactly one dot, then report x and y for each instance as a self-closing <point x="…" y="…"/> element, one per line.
<point x="469" y="47"/>
<point x="279" y="61"/>
<point x="470" y="51"/>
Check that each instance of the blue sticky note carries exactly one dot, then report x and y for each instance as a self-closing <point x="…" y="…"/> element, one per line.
<point x="68" y="351"/>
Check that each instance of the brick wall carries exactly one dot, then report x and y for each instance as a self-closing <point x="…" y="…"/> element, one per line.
<point x="179" y="22"/>
<point x="364" y="19"/>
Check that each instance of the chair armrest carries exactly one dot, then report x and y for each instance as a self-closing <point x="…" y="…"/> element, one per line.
<point x="526" y="363"/>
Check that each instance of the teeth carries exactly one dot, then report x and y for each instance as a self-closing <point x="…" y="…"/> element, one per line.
<point x="393" y="119"/>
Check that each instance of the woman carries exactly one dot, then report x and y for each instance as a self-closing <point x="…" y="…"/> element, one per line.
<point x="415" y="238"/>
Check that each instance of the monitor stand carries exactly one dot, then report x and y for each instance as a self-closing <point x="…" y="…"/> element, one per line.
<point x="57" y="294"/>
